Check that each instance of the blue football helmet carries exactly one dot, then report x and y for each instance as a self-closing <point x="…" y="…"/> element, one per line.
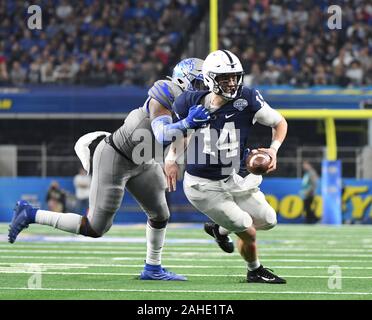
<point x="188" y="74"/>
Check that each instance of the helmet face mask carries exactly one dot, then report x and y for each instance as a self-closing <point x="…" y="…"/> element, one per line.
<point x="229" y="84"/>
<point x="187" y="74"/>
<point x="223" y="74"/>
<point x="198" y="85"/>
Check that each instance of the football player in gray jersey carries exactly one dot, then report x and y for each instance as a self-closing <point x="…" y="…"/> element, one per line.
<point x="117" y="166"/>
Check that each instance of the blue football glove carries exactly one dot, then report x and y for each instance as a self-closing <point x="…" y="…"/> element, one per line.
<point x="197" y="117"/>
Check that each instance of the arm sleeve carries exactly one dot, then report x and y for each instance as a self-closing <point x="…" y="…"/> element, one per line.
<point x="267" y="116"/>
<point x="264" y="115"/>
<point x="165" y="131"/>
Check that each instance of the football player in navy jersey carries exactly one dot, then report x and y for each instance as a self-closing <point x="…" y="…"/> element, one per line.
<point x="214" y="154"/>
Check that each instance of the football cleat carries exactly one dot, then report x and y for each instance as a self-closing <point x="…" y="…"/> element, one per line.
<point x="223" y="241"/>
<point x="264" y="275"/>
<point x="159" y="273"/>
<point x="21" y="219"/>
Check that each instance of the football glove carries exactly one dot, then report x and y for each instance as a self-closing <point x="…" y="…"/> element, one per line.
<point x="197" y="117"/>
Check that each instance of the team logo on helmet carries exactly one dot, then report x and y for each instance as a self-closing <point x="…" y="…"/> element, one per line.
<point x="187" y="74"/>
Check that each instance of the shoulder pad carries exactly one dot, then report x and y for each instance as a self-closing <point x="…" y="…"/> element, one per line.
<point x="164" y="91"/>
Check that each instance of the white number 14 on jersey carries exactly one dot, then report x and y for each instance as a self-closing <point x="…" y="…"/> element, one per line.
<point x="226" y="141"/>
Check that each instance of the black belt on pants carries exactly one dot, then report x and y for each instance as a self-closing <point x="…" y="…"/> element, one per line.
<point x="110" y="140"/>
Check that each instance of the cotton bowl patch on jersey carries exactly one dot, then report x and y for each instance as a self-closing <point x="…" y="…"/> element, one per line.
<point x="240" y="104"/>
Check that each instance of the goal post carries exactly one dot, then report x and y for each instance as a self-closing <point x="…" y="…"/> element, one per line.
<point x="213" y="25"/>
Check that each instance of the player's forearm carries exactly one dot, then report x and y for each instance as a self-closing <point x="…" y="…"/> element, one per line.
<point x="165" y="131"/>
<point x="279" y="134"/>
<point x="162" y="124"/>
<point x="177" y="149"/>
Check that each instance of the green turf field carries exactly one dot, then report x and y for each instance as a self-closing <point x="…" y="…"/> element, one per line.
<point x="50" y="264"/>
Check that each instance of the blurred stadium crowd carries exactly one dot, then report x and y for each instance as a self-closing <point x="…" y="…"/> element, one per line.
<point x="130" y="42"/>
<point x="92" y="42"/>
<point x="289" y="42"/>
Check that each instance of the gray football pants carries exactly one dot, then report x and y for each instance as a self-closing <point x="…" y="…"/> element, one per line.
<point x="112" y="174"/>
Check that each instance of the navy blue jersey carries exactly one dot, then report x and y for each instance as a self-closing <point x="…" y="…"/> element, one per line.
<point x="217" y="149"/>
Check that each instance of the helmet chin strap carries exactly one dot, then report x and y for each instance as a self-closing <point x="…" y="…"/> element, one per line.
<point x="217" y="89"/>
<point x="224" y="94"/>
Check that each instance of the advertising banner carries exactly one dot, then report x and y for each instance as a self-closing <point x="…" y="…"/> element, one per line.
<point x="283" y="194"/>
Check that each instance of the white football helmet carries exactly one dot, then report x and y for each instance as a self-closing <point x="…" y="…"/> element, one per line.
<point x="188" y="74"/>
<point x="223" y="74"/>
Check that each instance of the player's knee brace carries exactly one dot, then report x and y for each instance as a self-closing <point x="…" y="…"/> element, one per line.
<point x="159" y="213"/>
<point x="157" y="224"/>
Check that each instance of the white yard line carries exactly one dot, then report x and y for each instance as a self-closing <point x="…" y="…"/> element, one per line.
<point x="58" y="258"/>
<point x="31" y="238"/>
<point x="130" y="248"/>
<point x="184" y="253"/>
<point x="194" y="266"/>
<point x="233" y="259"/>
<point x="198" y="238"/>
<point x="190" y="291"/>
<point x="241" y="275"/>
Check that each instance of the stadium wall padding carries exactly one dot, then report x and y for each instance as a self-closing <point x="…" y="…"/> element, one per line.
<point x="282" y="194"/>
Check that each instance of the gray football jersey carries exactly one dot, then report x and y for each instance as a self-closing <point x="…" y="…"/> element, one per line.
<point x="135" y="137"/>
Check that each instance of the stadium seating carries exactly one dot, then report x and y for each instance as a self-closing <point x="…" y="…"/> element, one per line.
<point x="93" y="42"/>
<point x="289" y="42"/>
<point x="134" y="42"/>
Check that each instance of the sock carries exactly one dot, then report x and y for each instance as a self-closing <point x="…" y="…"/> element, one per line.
<point x="223" y="231"/>
<point x="32" y="214"/>
<point x="155" y="242"/>
<point x="69" y="222"/>
<point x="253" y="265"/>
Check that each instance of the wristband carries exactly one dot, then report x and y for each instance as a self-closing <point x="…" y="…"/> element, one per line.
<point x="275" y="145"/>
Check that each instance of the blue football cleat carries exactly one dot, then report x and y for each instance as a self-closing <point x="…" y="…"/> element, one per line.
<point x="22" y="217"/>
<point x="159" y="273"/>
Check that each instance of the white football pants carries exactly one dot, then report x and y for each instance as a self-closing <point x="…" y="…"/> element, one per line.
<point x="233" y="203"/>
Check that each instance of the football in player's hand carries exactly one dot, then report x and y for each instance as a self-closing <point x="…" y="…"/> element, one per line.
<point x="257" y="162"/>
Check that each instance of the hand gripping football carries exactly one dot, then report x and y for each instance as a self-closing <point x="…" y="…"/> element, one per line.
<point x="257" y="162"/>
